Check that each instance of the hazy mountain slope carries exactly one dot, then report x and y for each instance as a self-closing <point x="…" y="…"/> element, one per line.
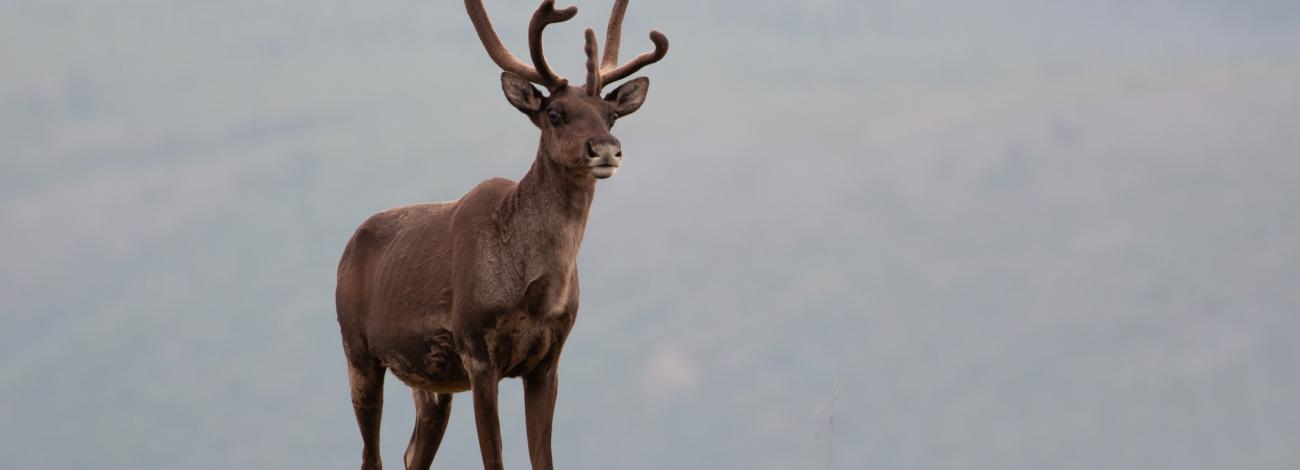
<point x="1021" y="236"/>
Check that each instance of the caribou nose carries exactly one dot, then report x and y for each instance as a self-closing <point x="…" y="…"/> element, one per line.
<point x="604" y="147"/>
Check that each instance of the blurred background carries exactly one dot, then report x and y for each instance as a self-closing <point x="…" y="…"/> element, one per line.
<point x="1005" y="234"/>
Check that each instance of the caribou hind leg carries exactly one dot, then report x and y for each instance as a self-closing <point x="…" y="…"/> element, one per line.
<point x="367" y="381"/>
<point x="432" y="412"/>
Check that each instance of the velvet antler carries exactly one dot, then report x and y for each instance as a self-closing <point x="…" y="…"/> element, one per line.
<point x="540" y="72"/>
<point x="609" y="70"/>
<point x="593" y="66"/>
<point x="545" y="15"/>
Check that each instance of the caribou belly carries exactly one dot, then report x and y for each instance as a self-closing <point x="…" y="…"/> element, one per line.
<point x="432" y="364"/>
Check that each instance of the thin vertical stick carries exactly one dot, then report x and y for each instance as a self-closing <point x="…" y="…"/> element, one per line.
<point x="830" y="422"/>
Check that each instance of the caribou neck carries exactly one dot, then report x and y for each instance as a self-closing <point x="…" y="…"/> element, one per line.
<point x="553" y="202"/>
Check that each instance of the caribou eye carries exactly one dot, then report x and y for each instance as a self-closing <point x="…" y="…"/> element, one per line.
<point x="556" y="117"/>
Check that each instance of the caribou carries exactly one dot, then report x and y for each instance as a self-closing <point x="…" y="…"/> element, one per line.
<point x="457" y="296"/>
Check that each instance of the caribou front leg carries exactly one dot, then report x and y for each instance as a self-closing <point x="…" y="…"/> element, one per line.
<point x="539" y="408"/>
<point x="483" y="380"/>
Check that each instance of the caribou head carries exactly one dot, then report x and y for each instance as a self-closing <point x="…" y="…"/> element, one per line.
<point x="575" y="121"/>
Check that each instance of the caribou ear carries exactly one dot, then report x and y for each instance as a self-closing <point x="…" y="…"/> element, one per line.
<point x="627" y="98"/>
<point x="522" y="94"/>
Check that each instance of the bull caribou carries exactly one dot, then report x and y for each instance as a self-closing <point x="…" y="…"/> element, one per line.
<point x="456" y="296"/>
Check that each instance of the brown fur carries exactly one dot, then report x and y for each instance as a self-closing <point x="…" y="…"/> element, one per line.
<point x="455" y="296"/>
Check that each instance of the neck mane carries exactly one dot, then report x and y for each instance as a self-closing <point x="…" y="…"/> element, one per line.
<point x="553" y="201"/>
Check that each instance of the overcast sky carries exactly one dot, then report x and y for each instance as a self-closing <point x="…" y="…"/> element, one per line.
<point x="1006" y="235"/>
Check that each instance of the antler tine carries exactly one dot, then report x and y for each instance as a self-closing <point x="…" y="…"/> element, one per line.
<point x="497" y="51"/>
<point x="614" y="35"/>
<point x="546" y="14"/>
<point x="661" y="49"/>
<point x="593" y="68"/>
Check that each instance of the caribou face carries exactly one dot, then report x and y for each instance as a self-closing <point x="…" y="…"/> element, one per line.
<point x="576" y="125"/>
<point x="575" y="121"/>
